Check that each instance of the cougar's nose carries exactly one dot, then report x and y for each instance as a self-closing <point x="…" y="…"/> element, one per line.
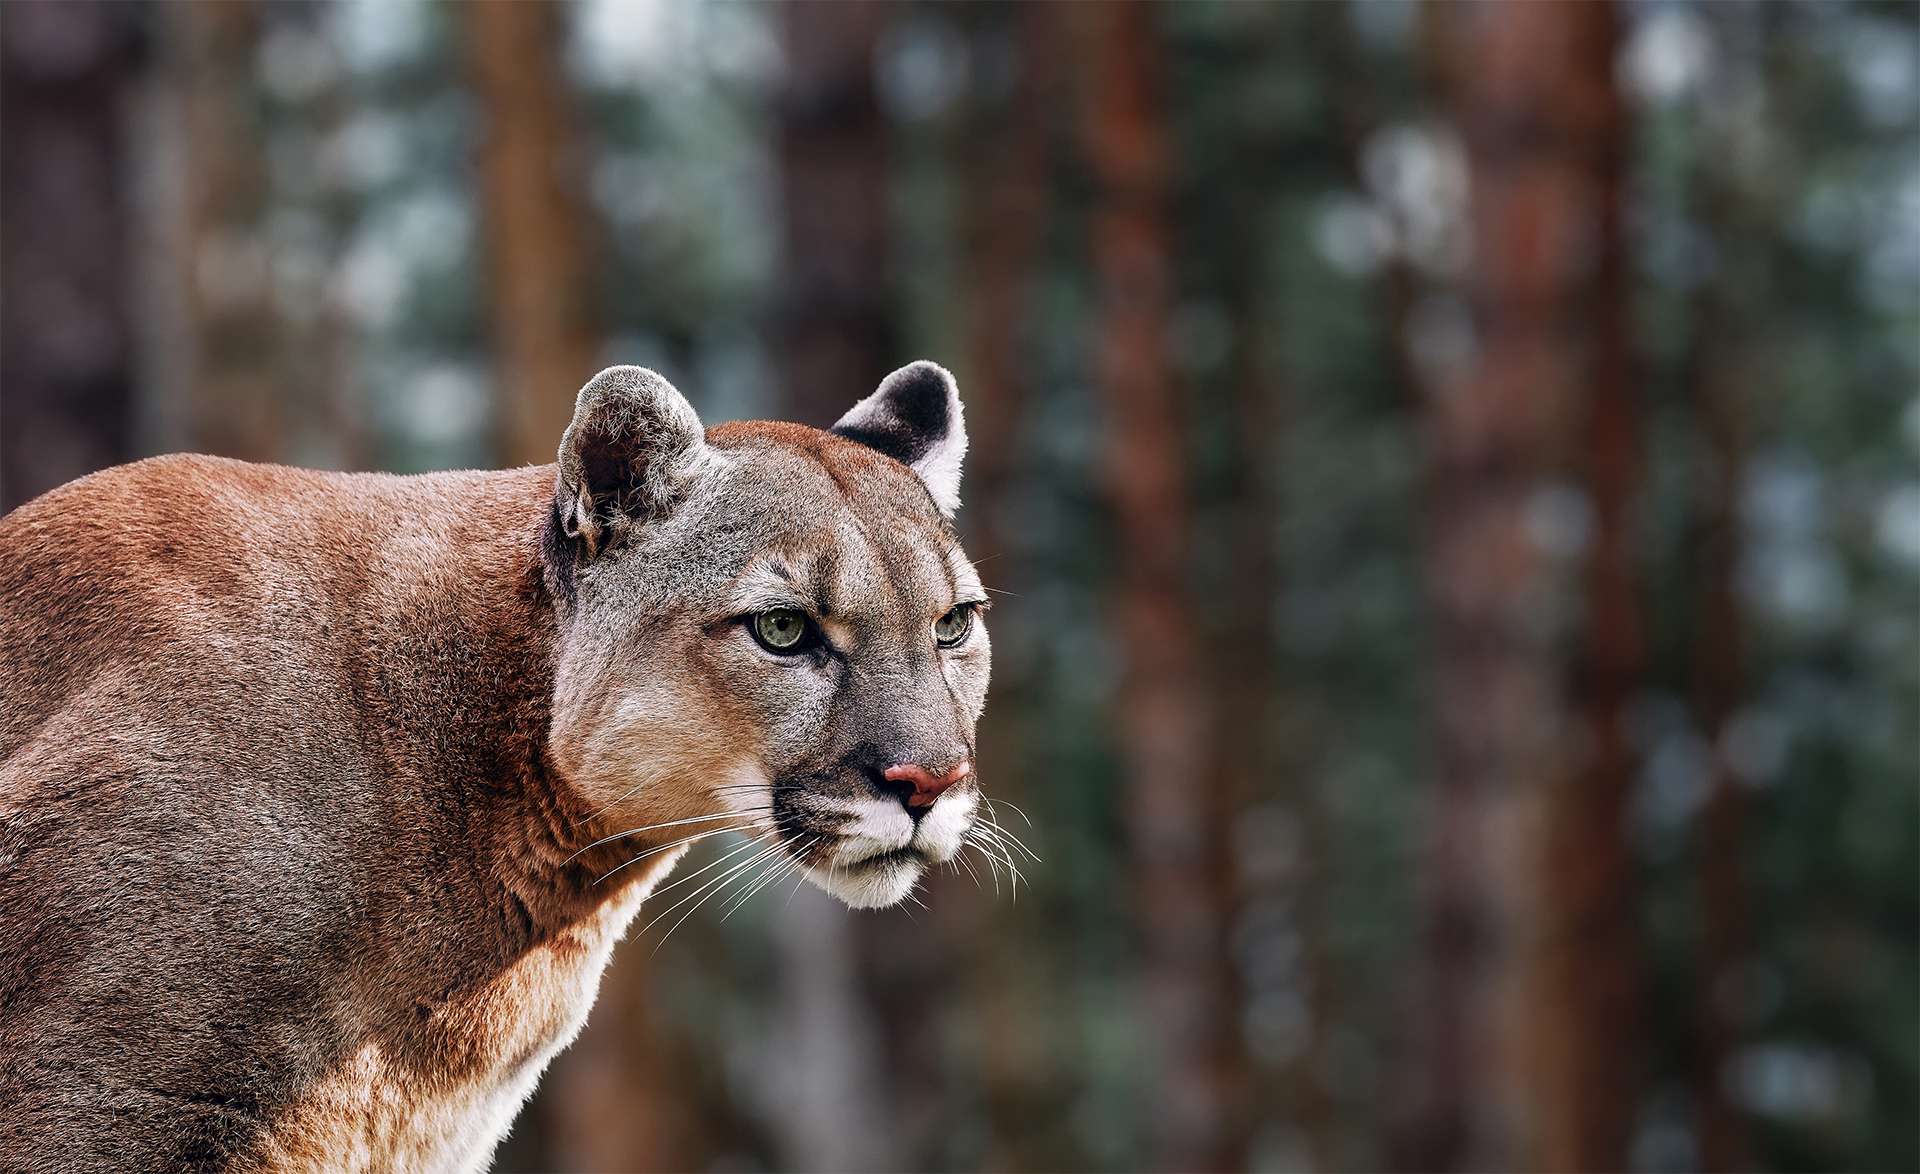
<point x="918" y="787"/>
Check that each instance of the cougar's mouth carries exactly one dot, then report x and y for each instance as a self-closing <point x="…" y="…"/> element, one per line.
<point x="888" y="856"/>
<point x="868" y="851"/>
<point x="864" y="870"/>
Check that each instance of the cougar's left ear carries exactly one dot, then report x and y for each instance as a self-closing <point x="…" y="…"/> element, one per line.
<point x="915" y="418"/>
<point x="633" y="448"/>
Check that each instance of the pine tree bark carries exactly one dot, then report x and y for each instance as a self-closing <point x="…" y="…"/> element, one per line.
<point x="835" y="333"/>
<point x="1003" y="221"/>
<point x="1177" y="822"/>
<point x="1717" y="671"/>
<point x="1713" y="380"/>
<point x="1004" y="218"/>
<point x="325" y="417"/>
<point x="66" y="331"/>
<point x="1256" y="755"/>
<point x="231" y="351"/>
<point x="542" y="284"/>
<point x="1527" y="1053"/>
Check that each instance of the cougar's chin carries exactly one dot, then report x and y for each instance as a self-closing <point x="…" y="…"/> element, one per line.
<point x="874" y="882"/>
<point x="879" y="853"/>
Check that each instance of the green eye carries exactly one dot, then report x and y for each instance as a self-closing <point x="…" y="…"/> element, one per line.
<point x="951" y="629"/>
<point x="784" y="630"/>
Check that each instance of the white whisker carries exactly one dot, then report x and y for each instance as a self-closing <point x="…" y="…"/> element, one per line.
<point x="994" y="849"/>
<point x="959" y="861"/>
<point x="993" y="862"/>
<point x="773" y="867"/>
<point x="701" y="835"/>
<point x="789" y="864"/>
<point x="729" y="854"/>
<point x="716" y="886"/>
<point x="994" y="828"/>
<point x="652" y="827"/>
<point x="797" y="882"/>
<point x="1010" y="803"/>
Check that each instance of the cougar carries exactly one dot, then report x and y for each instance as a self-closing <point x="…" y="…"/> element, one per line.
<point x="324" y="797"/>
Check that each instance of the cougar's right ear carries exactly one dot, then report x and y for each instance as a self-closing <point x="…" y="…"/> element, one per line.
<point x="633" y="448"/>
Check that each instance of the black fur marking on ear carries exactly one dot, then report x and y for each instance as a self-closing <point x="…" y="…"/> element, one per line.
<point x="916" y="418"/>
<point x="901" y="444"/>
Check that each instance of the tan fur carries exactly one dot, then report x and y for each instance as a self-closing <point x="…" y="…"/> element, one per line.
<point x="318" y="791"/>
<point x="370" y="1114"/>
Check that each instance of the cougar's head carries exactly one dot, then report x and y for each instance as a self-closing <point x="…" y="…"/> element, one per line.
<point x="772" y="629"/>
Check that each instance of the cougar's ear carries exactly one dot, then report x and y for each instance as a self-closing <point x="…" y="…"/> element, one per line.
<point x="915" y="418"/>
<point x="634" y="446"/>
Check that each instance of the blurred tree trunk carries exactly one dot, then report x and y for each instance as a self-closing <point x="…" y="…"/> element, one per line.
<point x="1004" y="210"/>
<point x="325" y="422"/>
<point x="243" y="356"/>
<point x="1002" y="230"/>
<point x="1262" y="748"/>
<point x="1587" y="1001"/>
<point x="66" y="332"/>
<point x="835" y="336"/>
<point x="1529" y="1021"/>
<point x="1258" y="755"/>
<point x="1717" y="673"/>
<point x="1177" y="817"/>
<point x="606" y="1103"/>
<point x="849" y="986"/>
<point x="230" y="376"/>
<point x="1714" y="380"/>
<point x="542" y="283"/>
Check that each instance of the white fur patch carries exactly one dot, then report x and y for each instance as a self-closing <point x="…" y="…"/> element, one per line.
<point x="940" y="467"/>
<point x="942" y="829"/>
<point x="883" y="823"/>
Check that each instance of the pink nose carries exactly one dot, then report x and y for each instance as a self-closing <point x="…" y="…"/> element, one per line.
<point x="925" y="786"/>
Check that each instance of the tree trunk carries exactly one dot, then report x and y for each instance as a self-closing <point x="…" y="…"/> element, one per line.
<point x="231" y="352"/>
<point x="542" y="283"/>
<point x="1002" y="227"/>
<point x="325" y="421"/>
<point x="835" y="335"/>
<point x="1716" y="693"/>
<point x="1177" y="818"/>
<point x="1588" y="1006"/>
<point x="66" y="334"/>
<point x="1528" y="1022"/>
<point x="1004" y="220"/>
<point x="1713" y="380"/>
<point x="1260" y="757"/>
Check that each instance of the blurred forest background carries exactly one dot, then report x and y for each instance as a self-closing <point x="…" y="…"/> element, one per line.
<point x="1454" y="471"/>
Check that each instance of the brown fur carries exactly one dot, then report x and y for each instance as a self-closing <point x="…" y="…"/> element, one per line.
<point x="179" y="631"/>
<point x="301" y="774"/>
